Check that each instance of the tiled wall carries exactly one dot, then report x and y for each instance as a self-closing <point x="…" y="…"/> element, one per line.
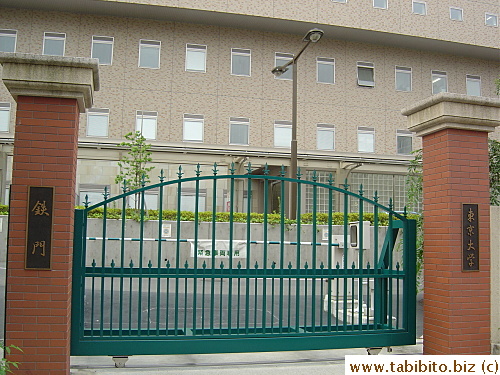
<point x="397" y="18"/>
<point x="218" y="95"/>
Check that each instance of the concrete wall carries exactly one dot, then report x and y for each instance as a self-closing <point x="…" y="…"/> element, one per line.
<point x="169" y="248"/>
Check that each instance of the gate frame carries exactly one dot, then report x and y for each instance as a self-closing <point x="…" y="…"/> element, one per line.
<point x="190" y="345"/>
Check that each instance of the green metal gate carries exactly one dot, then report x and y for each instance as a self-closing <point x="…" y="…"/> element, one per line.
<point x="252" y="283"/>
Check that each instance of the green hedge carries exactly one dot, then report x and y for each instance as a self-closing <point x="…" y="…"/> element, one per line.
<point x="238" y="217"/>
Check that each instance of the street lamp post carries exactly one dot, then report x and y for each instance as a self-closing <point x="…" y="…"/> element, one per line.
<point x="312" y="36"/>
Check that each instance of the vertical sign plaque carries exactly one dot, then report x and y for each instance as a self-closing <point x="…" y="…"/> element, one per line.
<point x="39" y="228"/>
<point x="470" y="237"/>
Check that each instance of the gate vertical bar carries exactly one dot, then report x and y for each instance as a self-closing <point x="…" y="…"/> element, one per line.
<point x="231" y="250"/>
<point x="212" y="280"/>
<point x="196" y="234"/>
<point x="360" y="261"/>
<point x="159" y="258"/>
<point x="177" y="253"/>
<point x="264" y="261"/>
<point x="78" y="281"/>
<point x="314" y="249"/>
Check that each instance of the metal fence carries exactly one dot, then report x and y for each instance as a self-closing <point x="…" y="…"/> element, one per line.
<point x="253" y="283"/>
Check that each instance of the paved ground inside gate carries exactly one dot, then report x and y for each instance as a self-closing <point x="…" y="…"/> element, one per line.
<point x="278" y="363"/>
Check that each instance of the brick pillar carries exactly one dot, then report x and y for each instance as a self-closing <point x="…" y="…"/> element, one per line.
<point x="455" y="172"/>
<point x="50" y="93"/>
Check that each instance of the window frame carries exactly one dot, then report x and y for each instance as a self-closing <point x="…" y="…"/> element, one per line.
<point x="142" y="114"/>
<point x="193" y="118"/>
<point x="196" y="47"/>
<point x="403" y="69"/>
<point x="406" y="134"/>
<point x="6" y="107"/>
<point x="284" y="55"/>
<point x="473" y="78"/>
<point x="97" y="112"/>
<point x="241" y="52"/>
<point x="284" y="124"/>
<point x="239" y="121"/>
<point x="325" y="127"/>
<point x="365" y="65"/>
<point x="91" y="188"/>
<point x="54" y="37"/>
<point x="377" y="7"/>
<point x="461" y="14"/>
<point x="149" y="43"/>
<point x="339" y="1"/>
<point x="366" y="130"/>
<point x="325" y="61"/>
<point x="424" y="3"/>
<point x="486" y="14"/>
<point x="7" y="33"/>
<point x="103" y="41"/>
<point x="438" y="73"/>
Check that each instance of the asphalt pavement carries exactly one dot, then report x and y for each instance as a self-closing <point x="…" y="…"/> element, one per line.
<point x="311" y="362"/>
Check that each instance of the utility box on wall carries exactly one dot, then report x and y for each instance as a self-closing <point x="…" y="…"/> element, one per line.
<point x="354" y="235"/>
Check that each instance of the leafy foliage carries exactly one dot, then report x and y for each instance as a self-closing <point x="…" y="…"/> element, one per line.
<point x="494" y="152"/>
<point x="133" y="170"/>
<point x="6" y="365"/>
<point x="240" y="217"/>
<point x="497" y="83"/>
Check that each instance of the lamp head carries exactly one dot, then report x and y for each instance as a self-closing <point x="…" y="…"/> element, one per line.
<point x="279" y="70"/>
<point x="313" y="35"/>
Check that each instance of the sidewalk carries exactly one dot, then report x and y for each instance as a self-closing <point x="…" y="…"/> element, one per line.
<point x="329" y="362"/>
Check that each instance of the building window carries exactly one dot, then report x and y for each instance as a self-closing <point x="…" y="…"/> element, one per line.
<point x="149" y="54"/>
<point x="281" y="59"/>
<point x="282" y="133"/>
<point x="381" y="4"/>
<point x="196" y="58"/>
<point x="366" y="74"/>
<point x="339" y="1"/>
<point x="323" y="199"/>
<point x="240" y="62"/>
<point x="91" y="193"/>
<point x="473" y="85"/>
<point x="102" y="49"/>
<point x="325" y="68"/>
<point x="325" y="137"/>
<point x="193" y="128"/>
<point x="404" y="142"/>
<point x="145" y="122"/>
<point x="238" y="130"/>
<point x="189" y="198"/>
<point x="403" y="78"/>
<point x="54" y="44"/>
<point x="4" y="117"/>
<point x="366" y="139"/>
<point x="491" y="19"/>
<point x="456" y="14"/>
<point x="419" y="7"/>
<point x="150" y="200"/>
<point x="439" y="82"/>
<point x="8" y="40"/>
<point x="97" y="122"/>
<point x="388" y="187"/>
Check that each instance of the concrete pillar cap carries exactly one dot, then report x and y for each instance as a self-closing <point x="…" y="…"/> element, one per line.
<point x="51" y="76"/>
<point x="457" y="111"/>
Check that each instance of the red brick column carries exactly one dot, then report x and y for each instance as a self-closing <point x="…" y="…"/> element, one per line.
<point x="38" y="306"/>
<point x="455" y="172"/>
<point x="456" y="303"/>
<point x="50" y="93"/>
